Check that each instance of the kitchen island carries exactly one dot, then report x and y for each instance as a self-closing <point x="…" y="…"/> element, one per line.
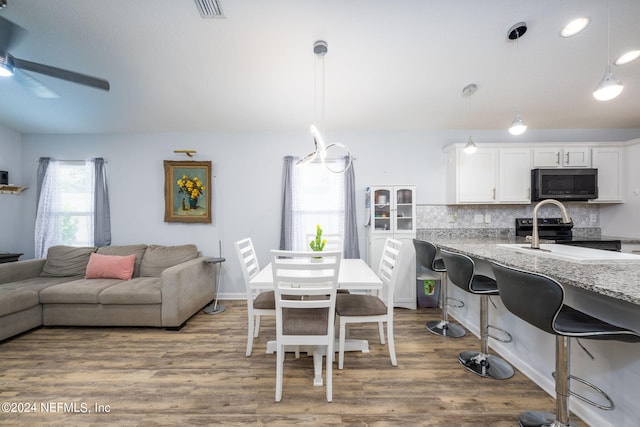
<point x="606" y="289"/>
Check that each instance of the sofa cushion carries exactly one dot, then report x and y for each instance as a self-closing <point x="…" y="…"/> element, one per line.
<point x="110" y="266"/>
<point x="157" y="258"/>
<point x="141" y="290"/>
<point x="137" y="250"/>
<point x="15" y="300"/>
<point x="37" y="283"/>
<point x="82" y="291"/>
<point x="66" y="261"/>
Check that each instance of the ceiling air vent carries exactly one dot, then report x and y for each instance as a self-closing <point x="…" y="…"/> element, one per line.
<point x="210" y="8"/>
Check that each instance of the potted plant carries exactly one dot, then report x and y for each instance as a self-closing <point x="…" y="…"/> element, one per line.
<point x="317" y="244"/>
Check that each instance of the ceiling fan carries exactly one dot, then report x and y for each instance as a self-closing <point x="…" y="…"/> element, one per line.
<point x="12" y="66"/>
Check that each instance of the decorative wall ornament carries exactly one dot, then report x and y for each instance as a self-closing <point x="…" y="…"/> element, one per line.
<point x="187" y="191"/>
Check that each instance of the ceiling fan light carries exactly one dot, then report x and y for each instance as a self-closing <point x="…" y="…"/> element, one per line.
<point x="627" y="57"/>
<point x="6" y="67"/>
<point x="574" y="27"/>
<point x="518" y="127"/>
<point x="610" y="87"/>
<point x="470" y="147"/>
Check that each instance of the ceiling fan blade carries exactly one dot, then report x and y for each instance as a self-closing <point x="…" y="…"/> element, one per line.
<point x="36" y="87"/>
<point x="10" y="33"/>
<point x="59" y="73"/>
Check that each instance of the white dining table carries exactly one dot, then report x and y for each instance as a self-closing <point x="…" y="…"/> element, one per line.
<point x="354" y="275"/>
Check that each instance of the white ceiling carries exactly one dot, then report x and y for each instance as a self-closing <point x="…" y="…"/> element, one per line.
<point x="391" y="65"/>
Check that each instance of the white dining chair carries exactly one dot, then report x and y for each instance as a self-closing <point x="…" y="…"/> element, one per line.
<point x="258" y="303"/>
<point x="305" y="295"/>
<point x="360" y="308"/>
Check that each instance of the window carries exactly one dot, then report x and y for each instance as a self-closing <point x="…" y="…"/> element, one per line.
<point x="318" y="198"/>
<point x="67" y="205"/>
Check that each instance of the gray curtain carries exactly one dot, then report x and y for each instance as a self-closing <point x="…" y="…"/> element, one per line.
<point x="286" y="227"/>
<point x="351" y="246"/>
<point x="43" y="164"/>
<point x="101" y="212"/>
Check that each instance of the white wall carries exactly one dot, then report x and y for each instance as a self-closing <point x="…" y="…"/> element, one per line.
<point x="624" y="220"/>
<point x="248" y="176"/>
<point x="11" y="213"/>
<point x="248" y="179"/>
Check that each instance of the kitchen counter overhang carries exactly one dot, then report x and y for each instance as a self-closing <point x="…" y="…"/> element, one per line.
<point x="618" y="280"/>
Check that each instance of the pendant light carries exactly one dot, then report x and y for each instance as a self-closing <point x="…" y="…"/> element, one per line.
<point x="515" y="32"/>
<point x="467" y="91"/>
<point x="320" y="49"/>
<point x="610" y="86"/>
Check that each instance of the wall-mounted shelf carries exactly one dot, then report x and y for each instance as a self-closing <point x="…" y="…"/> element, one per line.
<point x="11" y="189"/>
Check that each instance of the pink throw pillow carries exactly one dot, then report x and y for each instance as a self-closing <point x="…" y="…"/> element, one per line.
<point x="110" y="266"/>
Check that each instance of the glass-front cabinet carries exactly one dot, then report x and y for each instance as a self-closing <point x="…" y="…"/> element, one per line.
<point x="392" y="209"/>
<point x="391" y="212"/>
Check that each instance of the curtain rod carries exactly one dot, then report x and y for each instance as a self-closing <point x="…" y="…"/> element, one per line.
<point x="326" y="158"/>
<point x="72" y="160"/>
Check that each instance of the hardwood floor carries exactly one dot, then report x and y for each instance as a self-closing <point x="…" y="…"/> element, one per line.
<point x="200" y="376"/>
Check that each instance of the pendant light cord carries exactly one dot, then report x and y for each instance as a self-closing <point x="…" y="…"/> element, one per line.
<point x="516" y="61"/>
<point x="608" y="34"/>
<point x="319" y="59"/>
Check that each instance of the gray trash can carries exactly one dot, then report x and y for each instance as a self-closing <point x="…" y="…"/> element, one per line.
<point x="428" y="292"/>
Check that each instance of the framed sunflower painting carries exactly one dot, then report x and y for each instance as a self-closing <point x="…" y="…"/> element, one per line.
<point x="187" y="191"/>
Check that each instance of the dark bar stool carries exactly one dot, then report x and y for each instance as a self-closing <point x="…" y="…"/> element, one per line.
<point x="426" y="257"/>
<point x="461" y="271"/>
<point x="539" y="300"/>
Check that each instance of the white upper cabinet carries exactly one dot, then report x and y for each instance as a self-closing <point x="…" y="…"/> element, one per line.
<point x="609" y="162"/>
<point x="562" y="157"/>
<point x="490" y="175"/>
<point x="514" y="175"/>
<point x="477" y="176"/>
<point x="501" y="173"/>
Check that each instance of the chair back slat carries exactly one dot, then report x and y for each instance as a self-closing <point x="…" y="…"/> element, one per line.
<point x="387" y="271"/>
<point x="248" y="260"/>
<point x="314" y="284"/>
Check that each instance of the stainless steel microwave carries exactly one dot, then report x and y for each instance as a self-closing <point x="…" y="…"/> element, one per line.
<point x="564" y="184"/>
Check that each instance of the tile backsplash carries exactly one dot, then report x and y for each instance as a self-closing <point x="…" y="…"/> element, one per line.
<point x="586" y="217"/>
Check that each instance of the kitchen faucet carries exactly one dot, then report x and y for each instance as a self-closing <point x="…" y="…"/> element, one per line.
<point x="535" y="239"/>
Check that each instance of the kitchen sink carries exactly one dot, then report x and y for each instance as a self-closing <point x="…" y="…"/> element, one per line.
<point x="572" y="253"/>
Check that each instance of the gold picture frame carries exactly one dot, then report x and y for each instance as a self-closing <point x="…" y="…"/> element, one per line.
<point x="187" y="191"/>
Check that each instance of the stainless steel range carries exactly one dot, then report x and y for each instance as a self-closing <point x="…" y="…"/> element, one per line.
<point x="554" y="229"/>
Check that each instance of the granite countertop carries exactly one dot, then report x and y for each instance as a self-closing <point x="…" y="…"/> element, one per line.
<point x="619" y="280"/>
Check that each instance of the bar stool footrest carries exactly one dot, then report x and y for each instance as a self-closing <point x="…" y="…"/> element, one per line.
<point x="594" y="388"/>
<point x="445" y="329"/>
<point x="459" y="304"/>
<point x="486" y="365"/>
<point x="508" y="336"/>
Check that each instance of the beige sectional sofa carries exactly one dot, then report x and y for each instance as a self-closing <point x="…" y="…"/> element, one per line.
<point x="169" y="284"/>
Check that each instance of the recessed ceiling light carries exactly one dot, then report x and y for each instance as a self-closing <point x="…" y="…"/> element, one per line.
<point x="574" y="27"/>
<point x="627" y="57"/>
